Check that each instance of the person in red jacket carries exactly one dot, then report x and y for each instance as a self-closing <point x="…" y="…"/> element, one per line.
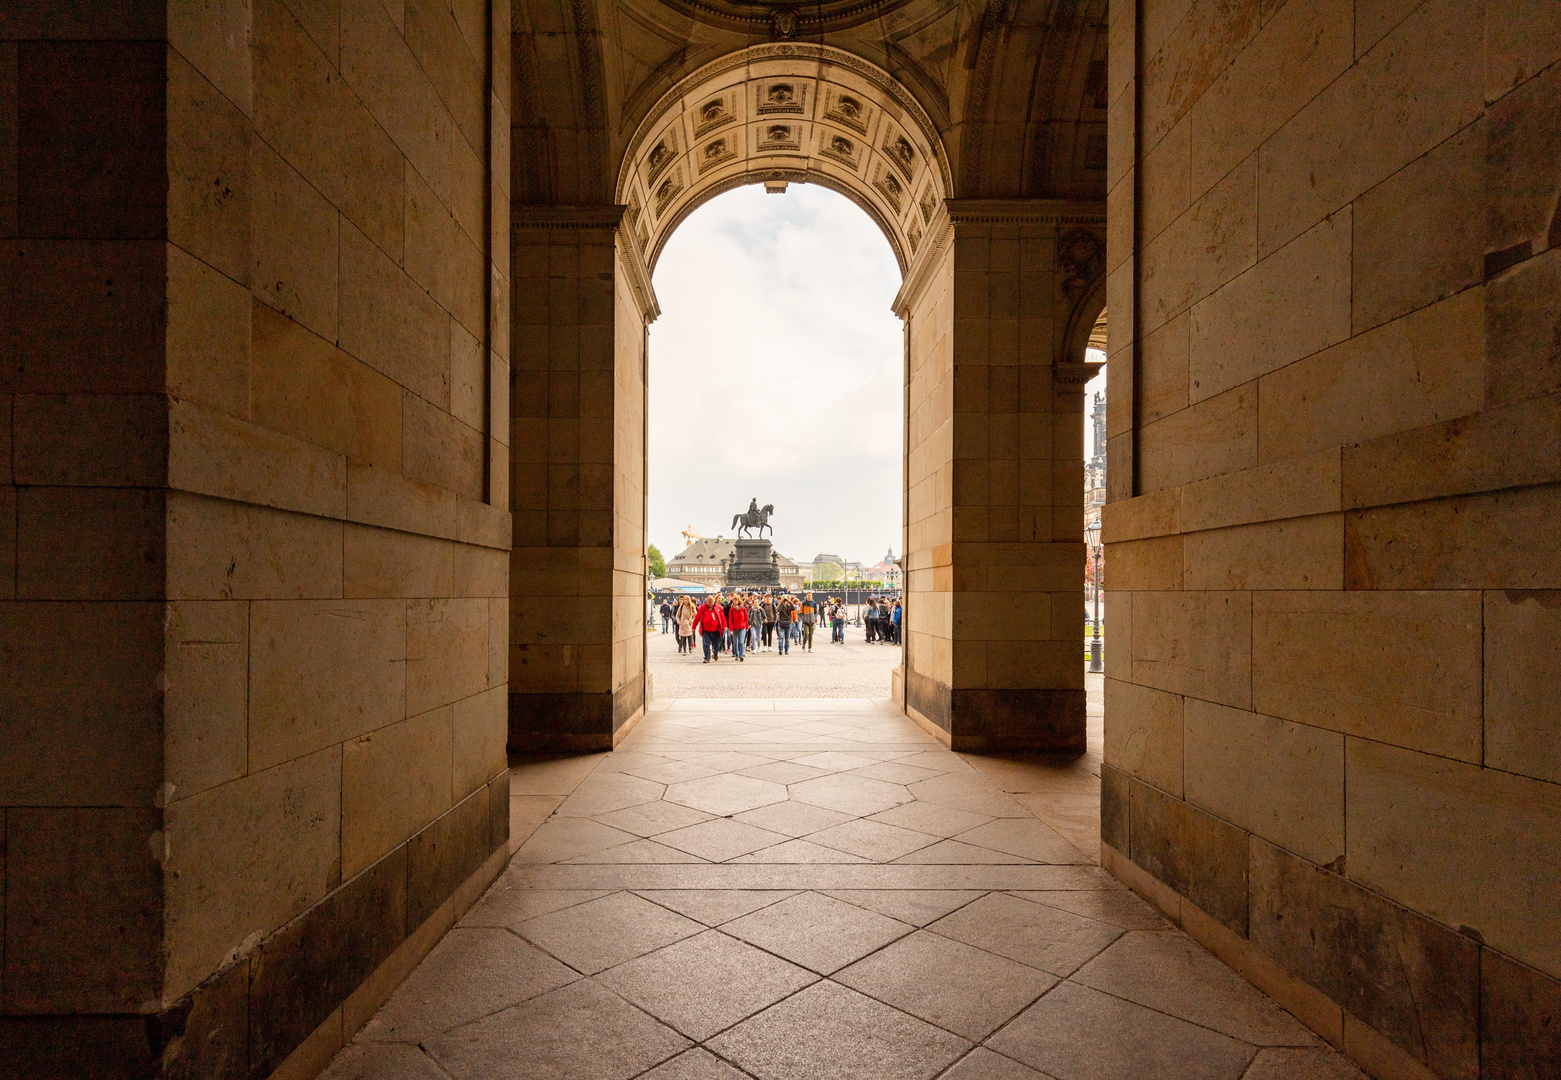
<point x="712" y="623"/>
<point x="737" y="622"/>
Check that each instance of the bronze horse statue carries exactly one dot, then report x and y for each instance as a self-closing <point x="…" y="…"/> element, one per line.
<point x="755" y="518"/>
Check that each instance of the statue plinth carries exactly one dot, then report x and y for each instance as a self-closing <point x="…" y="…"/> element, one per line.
<point x="753" y="565"/>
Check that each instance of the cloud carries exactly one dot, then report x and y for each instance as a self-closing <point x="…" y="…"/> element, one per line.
<point x="776" y="372"/>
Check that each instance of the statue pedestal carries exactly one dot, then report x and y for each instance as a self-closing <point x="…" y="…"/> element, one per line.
<point x="753" y="565"/>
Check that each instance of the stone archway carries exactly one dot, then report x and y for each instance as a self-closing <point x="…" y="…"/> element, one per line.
<point x="993" y="294"/>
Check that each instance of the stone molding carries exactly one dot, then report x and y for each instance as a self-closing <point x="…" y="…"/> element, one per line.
<point x="531" y="219"/>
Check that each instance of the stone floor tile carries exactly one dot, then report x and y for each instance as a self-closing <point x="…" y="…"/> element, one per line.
<point x="526" y="812"/>
<point x="1024" y="837"/>
<point x="672" y="772"/>
<point x="1300" y="1063"/>
<point x="715" y="906"/>
<point x="793" y="818"/>
<point x="637" y="851"/>
<point x="695" y="1064"/>
<point x="1115" y="907"/>
<point x="629" y="760"/>
<point x="938" y="760"/>
<point x="508" y="904"/>
<point x="600" y="934"/>
<point x="730" y="760"/>
<point x="603" y="792"/>
<point x="559" y="1036"/>
<point x="557" y="839"/>
<point x="931" y="818"/>
<point x="1042" y="937"/>
<point x="783" y="772"/>
<point x="471" y="973"/>
<point x="967" y="791"/>
<point x="854" y="795"/>
<point x="704" y="984"/>
<point x="828" y="1032"/>
<point x="1075" y="1033"/>
<point x="649" y="819"/>
<point x="895" y="772"/>
<point x="949" y="852"/>
<point x="720" y="839"/>
<point x="726" y="794"/>
<point x="960" y="988"/>
<point x="983" y="1064"/>
<point x="833" y="761"/>
<point x="800" y="851"/>
<point x="873" y="840"/>
<point x="382" y="1061"/>
<point x="915" y="906"/>
<point x="543" y="775"/>
<point x="817" y="931"/>
<point x="1168" y="971"/>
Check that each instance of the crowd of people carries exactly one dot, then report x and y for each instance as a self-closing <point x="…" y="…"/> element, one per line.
<point x="742" y="622"/>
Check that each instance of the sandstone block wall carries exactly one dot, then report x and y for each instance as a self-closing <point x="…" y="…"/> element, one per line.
<point x="995" y="476"/>
<point x="254" y="516"/>
<point x="1330" y="700"/>
<point x="576" y="659"/>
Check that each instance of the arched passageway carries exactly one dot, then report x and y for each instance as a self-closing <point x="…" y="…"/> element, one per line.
<point x="997" y="301"/>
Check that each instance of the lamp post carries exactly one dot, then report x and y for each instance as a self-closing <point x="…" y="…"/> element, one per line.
<point x="1092" y="538"/>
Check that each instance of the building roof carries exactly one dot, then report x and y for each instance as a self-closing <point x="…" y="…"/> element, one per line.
<point x="712" y="551"/>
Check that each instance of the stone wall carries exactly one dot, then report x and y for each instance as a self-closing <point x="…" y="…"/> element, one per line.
<point x="1331" y="739"/>
<point x="251" y="471"/>
<point x="995" y="552"/>
<point x="577" y="641"/>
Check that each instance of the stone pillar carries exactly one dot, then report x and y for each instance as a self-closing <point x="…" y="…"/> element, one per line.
<point x="995" y="555"/>
<point x="252" y="588"/>
<point x="582" y="302"/>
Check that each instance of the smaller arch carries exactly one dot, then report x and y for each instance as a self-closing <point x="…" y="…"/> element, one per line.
<point x="799" y="113"/>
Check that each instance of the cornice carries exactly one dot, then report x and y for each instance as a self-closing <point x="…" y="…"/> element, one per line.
<point x="1026" y="212"/>
<point x="523" y="218"/>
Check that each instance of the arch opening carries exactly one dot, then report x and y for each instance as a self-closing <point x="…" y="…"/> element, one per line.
<point x="786" y="113"/>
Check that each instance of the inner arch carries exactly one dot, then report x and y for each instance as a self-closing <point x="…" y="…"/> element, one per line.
<point x="786" y="112"/>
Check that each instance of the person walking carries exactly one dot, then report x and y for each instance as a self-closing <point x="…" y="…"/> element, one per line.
<point x="870" y="617"/>
<point x="837" y="622"/>
<point x="685" y="625"/>
<point x="666" y="616"/>
<point x="785" y="611"/>
<point x="895" y="617"/>
<point x="711" y="621"/>
<point x="808" y="616"/>
<point x="738" y="620"/>
<point x="767" y="610"/>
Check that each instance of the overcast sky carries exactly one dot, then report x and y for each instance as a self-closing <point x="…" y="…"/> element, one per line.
<point x="776" y="373"/>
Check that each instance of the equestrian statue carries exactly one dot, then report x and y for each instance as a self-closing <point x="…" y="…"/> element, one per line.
<point x="755" y="518"/>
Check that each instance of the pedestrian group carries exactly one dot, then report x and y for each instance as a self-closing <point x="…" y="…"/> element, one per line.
<point x="742" y="622"/>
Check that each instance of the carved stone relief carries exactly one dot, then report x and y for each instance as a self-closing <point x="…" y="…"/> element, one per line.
<point x="900" y="152"/>
<point x="668" y="191"/>
<point x="846" y="109"/>
<point x="772" y="138"/>
<point x="781" y="96"/>
<point x="929" y="203"/>
<point x="889" y="187"/>
<point x="713" y="114"/>
<point x="1081" y="256"/>
<point x="839" y="147"/>
<point x="661" y="155"/>
<point x="716" y="152"/>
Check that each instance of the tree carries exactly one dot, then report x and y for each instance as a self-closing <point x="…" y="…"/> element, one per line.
<point x="826" y="571"/>
<point x="658" y="565"/>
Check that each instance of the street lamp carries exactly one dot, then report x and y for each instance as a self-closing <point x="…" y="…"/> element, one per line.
<point x="1092" y="538"/>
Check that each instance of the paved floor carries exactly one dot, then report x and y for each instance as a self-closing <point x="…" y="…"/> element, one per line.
<point x="852" y="670"/>
<point x="803" y="890"/>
